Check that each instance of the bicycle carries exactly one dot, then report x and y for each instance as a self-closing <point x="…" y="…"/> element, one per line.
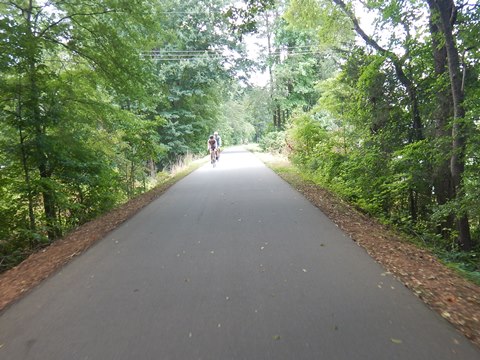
<point x="213" y="157"/>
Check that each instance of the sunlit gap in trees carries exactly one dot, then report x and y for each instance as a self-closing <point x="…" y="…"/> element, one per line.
<point x="254" y="45"/>
<point x="370" y="22"/>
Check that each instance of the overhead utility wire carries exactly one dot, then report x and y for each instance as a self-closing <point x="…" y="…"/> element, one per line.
<point x="226" y="56"/>
<point x="219" y="50"/>
<point x="186" y="52"/>
<point x="179" y="54"/>
<point x="217" y="54"/>
<point x="198" y="58"/>
<point x="203" y="54"/>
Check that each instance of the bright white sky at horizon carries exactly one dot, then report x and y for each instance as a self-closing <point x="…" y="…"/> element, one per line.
<point x="254" y="43"/>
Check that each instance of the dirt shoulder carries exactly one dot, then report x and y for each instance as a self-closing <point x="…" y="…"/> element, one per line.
<point x="454" y="298"/>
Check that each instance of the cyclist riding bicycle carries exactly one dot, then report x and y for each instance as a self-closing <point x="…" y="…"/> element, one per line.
<point x="212" y="148"/>
<point x="211" y="144"/>
<point x="218" y="139"/>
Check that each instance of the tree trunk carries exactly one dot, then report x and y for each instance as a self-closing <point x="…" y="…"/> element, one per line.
<point x="441" y="177"/>
<point x="152" y="168"/>
<point x="132" y="177"/>
<point x="275" y="122"/>
<point x="26" y="173"/>
<point x="279" y="117"/>
<point x="49" y="204"/>
<point x="446" y="11"/>
<point x="412" y="199"/>
<point x="26" y="170"/>
<point x="270" y="69"/>
<point x="34" y="109"/>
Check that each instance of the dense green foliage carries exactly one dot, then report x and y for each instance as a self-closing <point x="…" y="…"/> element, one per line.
<point x="97" y="97"/>
<point x="68" y="143"/>
<point x="384" y="120"/>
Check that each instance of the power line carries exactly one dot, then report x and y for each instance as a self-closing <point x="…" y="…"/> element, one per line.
<point x="166" y="51"/>
<point x="180" y="52"/>
<point x="166" y="55"/>
<point x="198" y="58"/>
<point x="202" y="54"/>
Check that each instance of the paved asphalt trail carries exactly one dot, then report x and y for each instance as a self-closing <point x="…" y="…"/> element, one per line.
<point x="230" y="263"/>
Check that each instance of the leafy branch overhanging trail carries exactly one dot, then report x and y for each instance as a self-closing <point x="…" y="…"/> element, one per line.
<point x="398" y="63"/>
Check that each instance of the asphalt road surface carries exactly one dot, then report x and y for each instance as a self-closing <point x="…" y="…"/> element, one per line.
<point x="230" y="263"/>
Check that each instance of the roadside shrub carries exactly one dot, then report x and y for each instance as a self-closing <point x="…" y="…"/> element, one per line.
<point x="273" y="142"/>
